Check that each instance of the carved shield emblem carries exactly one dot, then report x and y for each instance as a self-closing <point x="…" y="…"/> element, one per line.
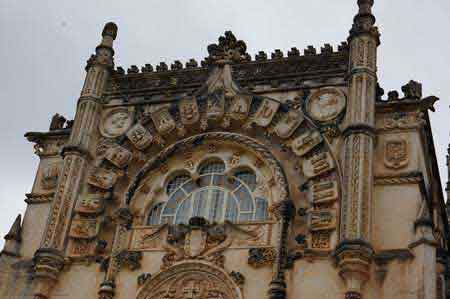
<point x="84" y="228"/>
<point x="322" y="220"/>
<point x="306" y="142"/>
<point x="289" y="123"/>
<point x="396" y="153"/>
<point x="163" y="120"/>
<point x="318" y="164"/>
<point x="240" y="106"/>
<point x="116" y="122"/>
<point x="119" y="156"/>
<point x="140" y="137"/>
<point x="50" y="176"/>
<point x="326" y="104"/>
<point x="92" y="203"/>
<point x="265" y="113"/>
<point x="102" y="178"/>
<point x="189" y="111"/>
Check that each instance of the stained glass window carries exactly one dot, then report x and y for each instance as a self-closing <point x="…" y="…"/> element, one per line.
<point x="214" y="196"/>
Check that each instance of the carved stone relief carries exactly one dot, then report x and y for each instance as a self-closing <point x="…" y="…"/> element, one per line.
<point x="240" y="106"/>
<point x="304" y="143"/>
<point x="163" y="120"/>
<point x="322" y="220"/>
<point x="50" y="176"/>
<point x="216" y="104"/>
<point x="324" y="192"/>
<point x="318" y="164"/>
<point x="396" y="153"/>
<point x="265" y="113"/>
<point x="102" y="178"/>
<point x="84" y="228"/>
<point x="287" y="125"/>
<point x="189" y="111"/>
<point x="190" y="280"/>
<point x="260" y="257"/>
<point x="116" y="122"/>
<point x="118" y="155"/>
<point x="140" y="137"/>
<point x="326" y="104"/>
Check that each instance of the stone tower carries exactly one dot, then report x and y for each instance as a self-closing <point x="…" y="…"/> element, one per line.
<point x="281" y="176"/>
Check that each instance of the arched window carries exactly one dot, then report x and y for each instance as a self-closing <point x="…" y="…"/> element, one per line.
<point x="215" y="196"/>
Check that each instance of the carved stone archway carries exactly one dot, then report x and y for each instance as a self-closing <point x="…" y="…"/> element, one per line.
<point x="190" y="280"/>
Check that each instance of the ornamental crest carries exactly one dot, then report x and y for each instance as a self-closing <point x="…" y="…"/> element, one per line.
<point x="189" y="111"/>
<point x="140" y="137"/>
<point x="240" y="106"/>
<point x="266" y="112"/>
<point x="291" y="121"/>
<point x="396" y="153"/>
<point x="163" y="120"/>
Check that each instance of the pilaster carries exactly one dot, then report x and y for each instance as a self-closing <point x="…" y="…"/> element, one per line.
<point x="355" y="251"/>
<point x="49" y="259"/>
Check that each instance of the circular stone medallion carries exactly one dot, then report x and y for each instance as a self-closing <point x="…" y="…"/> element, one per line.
<point x="326" y="104"/>
<point x="116" y="122"/>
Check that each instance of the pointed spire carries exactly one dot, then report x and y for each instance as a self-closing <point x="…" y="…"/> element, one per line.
<point x="364" y="21"/>
<point x="15" y="231"/>
<point x="104" y="52"/>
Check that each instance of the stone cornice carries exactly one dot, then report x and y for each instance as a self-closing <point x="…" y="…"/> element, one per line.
<point x="38" y="198"/>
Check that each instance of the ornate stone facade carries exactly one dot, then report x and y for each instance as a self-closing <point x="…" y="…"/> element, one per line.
<point x="288" y="177"/>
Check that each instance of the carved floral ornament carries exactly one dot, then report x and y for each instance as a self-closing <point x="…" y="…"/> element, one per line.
<point x="190" y="280"/>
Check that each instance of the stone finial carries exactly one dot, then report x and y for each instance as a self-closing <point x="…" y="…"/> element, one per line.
<point x="364" y="21"/>
<point x="393" y="95"/>
<point x="110" y="29"/>
<point x="192" y="63"/>
<point x="57" y="122"/>
<point x="15" y="232"/>
<point x="133" y="69"/>
<point x="162" y="67"/>
<point x="229" y="48"/>
<point x="261" y="56"/>
<point x="293" y="52"/>
<point x="310" y="50"/>
<point x="147" y="68"/>
<point x="278" y="54"/>
<point x="365" y="6"/>
<point x="327" y="49"/>
<point x="412" y="90"/>
<point x="120" y="70"/>
<point x="176" y="66"/>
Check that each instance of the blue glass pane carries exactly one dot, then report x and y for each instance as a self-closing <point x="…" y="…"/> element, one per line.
<point x="219" y="180"/>
<point x="216" y="205"/>
<point x="243" y="217"/>
<point x="248" y="177"/>
<point x="184" y="211"/>
<point x="189" y="187"/>
<point x="200" y="201"/>
<point x="231" y="183"/>
<point x="261" y="209"/>
<point x="204" y="181"/>
<point x="231" y="212"/>
<point x="173" y="202"/>
<point x="212" y="167"/>
<point x="245" y="199"/>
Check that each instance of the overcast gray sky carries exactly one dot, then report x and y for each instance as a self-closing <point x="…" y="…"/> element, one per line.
<point x="45" y="44"/>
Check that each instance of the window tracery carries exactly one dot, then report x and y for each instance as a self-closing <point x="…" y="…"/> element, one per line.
<point x="214" y="195"/>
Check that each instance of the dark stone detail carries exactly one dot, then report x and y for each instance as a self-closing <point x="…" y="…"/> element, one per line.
<point x="176" y="66"/>
<point x="423" y="241"/>
<point x="198" y="222"/>
<point x="427" y="222"/>
<point x="294" y="52"/>
<point x="287" y="209"/>
<point x="57" y="122"/>
<point x="228" y="48"/>
<point x="353" y="295"/>
<point x="147" y="68"/>
<point x="278" y="54"/>
<point x="261" y="56"/>
<point x="359" y="129"/>
<point x="162" y="67"/>
<point x="379" y="92"/>
<point x="343" y="47"/>
<point x="291" y="258"/>
<point x="327" y="49"/>
<point x="100" y="246"/>
<point x="359" y="245"/>
<point x="123" y="216"/>
<point x="75" y="149"/>
<point x="386" y="256"/>
<point x="110" y="29"/>
<point x="15" y="232"/>
<point x="310" y="50"/>
<point x="192" y="63"/>
<point x="106" y="290"/>
<point x="133" y="70"/>
<point x="120" y="70"/>
<point x="143" y="278"/>
<point x="237" y="277"/>
<point x="130" y="259"/>
<point x="277" y="289"/>
<point x="412" y="90"/>
<point x="300" y="239"/>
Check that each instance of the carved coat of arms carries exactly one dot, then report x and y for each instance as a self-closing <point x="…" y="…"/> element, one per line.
<point x="189" y="111"/>
<point x="396" y="153"/>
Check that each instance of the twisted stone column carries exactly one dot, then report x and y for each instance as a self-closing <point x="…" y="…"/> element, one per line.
<point x="49" y="259"/>
<point x="354" y="252"/>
